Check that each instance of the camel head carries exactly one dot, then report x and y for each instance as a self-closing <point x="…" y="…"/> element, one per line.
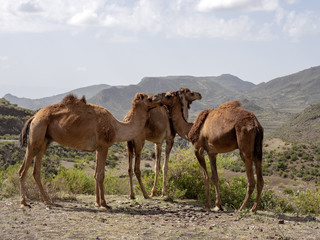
<point x="183" y="97"/>
<point x="189" y="95"/>
<point x="171" y="98"/>
<point x="145" y="100"/>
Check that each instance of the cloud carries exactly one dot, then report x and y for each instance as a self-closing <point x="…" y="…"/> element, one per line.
<point x="297" y="25"/>
<point x="30" y="7"/>
<point x="247" y="5"/>
<point x="86" y="17"/>
<point x="3" y="58"/>
<point x="127" y="20"/>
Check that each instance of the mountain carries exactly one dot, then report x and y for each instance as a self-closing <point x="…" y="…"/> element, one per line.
<point x="215" y="90"/>
<point x="291" y="93"/>
<point x="12" y="117"/>
<point x="305" y="127"/>
<point x="274" y="102"/>
<point x="35" y="104"/>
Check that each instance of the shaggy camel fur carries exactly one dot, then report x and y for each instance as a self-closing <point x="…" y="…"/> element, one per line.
<point x="74" y="123"/>
<point x="222" y="130"/>
<point x="177" y="102"/>
<point x="157" y="129"/>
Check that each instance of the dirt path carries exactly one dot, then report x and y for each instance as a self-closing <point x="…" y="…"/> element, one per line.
<point x="145" y="219"/>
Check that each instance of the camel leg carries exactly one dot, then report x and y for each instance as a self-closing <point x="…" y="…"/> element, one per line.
<point x="37" y="172"/>
<point x="101" y="158"/>
<point x="169" y="144"/>
<point x="23" y="173"/>
<point x="215" y="179"/>
<point x="138" y="149"/>
<point x="158" y="148"/>
<point x="130" y="146"/>
<point x="206" y="180"/>
<point x="250" y="176"/>
<point x="260" y="183"/>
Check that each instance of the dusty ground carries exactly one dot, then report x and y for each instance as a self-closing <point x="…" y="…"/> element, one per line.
<point x="145" y="219"/>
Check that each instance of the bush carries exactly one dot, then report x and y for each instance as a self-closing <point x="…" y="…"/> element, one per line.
<point x="74" y="181"/>
<point x="185" y="181"/>
<point x="308" y="202"/>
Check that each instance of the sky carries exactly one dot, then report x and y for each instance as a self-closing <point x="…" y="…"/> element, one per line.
<point x="48" y="47"/>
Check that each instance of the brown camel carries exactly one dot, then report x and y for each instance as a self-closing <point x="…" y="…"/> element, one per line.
<point x="74" y="123"/>
<point x="177" y="102"/>
<point x="222" y="130"/>
<point x="157" y="129"/>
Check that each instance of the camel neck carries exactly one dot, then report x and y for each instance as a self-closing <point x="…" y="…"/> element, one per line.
<point x="180" y="124"/>
<point x="126" y="131"/>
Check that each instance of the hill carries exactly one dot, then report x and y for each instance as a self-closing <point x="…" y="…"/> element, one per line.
<point x="214" y="90"/>
<point x="291" y="93"/>
<point x="12" y="117"/>
<point x="35" y="104"/>
<point x="305" y="127"/>
<point x="274" y="102"/>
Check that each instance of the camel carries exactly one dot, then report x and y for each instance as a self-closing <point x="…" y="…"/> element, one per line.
<point x="177" y="102"/>
<point x="158" y="129"/>
<point x="222" y="130"/>
<point x="74" y="123"/>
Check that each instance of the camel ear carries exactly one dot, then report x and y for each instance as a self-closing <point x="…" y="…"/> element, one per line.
<point x="139" y="96"/>
<point x="184" y="90"/>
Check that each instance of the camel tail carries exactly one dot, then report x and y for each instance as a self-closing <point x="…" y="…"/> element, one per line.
<point x="194" y="133"/>
<point x="24" y="133"/>
<point x="258" y="142"/>
<point x="130" y="147"/>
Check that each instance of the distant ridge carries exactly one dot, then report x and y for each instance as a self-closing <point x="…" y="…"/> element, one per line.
<point x="274" y="102"/>
<point x="305" y="127"/>
<point x="35" y="104"/>
<point x="291" y="93"/>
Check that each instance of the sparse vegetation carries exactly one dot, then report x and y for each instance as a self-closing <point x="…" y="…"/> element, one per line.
<point x="184" y="179"/>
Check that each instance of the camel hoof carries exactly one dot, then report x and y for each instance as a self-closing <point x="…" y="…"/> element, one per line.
<point x="132" y="197"/>
<point x="105" y="207"/>
<point x="24" y="205"/>
<point x="206" y="209"/>
<point x="217" y="209"/>
<point x="147" y="197"/>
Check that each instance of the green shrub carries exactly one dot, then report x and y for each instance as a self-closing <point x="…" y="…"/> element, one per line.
<point x="74" y="181"/>
<point x="308" y="202"/>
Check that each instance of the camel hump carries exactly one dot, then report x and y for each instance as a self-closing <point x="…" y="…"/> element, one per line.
<point x="230" y="104"/>
<point x="72" y="99"/>
<point x="194" y="133"/>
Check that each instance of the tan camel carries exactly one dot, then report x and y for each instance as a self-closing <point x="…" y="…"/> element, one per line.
<point x="157" y="129"/>
<point x="74" y="123"/>
<point x="222" y="130"/>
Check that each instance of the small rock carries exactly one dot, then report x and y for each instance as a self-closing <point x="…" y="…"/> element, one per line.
<point x="309" y="218"/>
<point x="212" y="226"/>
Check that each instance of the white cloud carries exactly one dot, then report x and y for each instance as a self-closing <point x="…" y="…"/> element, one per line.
<point x="298" y="25"/>
<point x="3" y="58"/>
<point x="246" y="5"/>
<point x="123" y="21"/>
<point x="85" y="17"/>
